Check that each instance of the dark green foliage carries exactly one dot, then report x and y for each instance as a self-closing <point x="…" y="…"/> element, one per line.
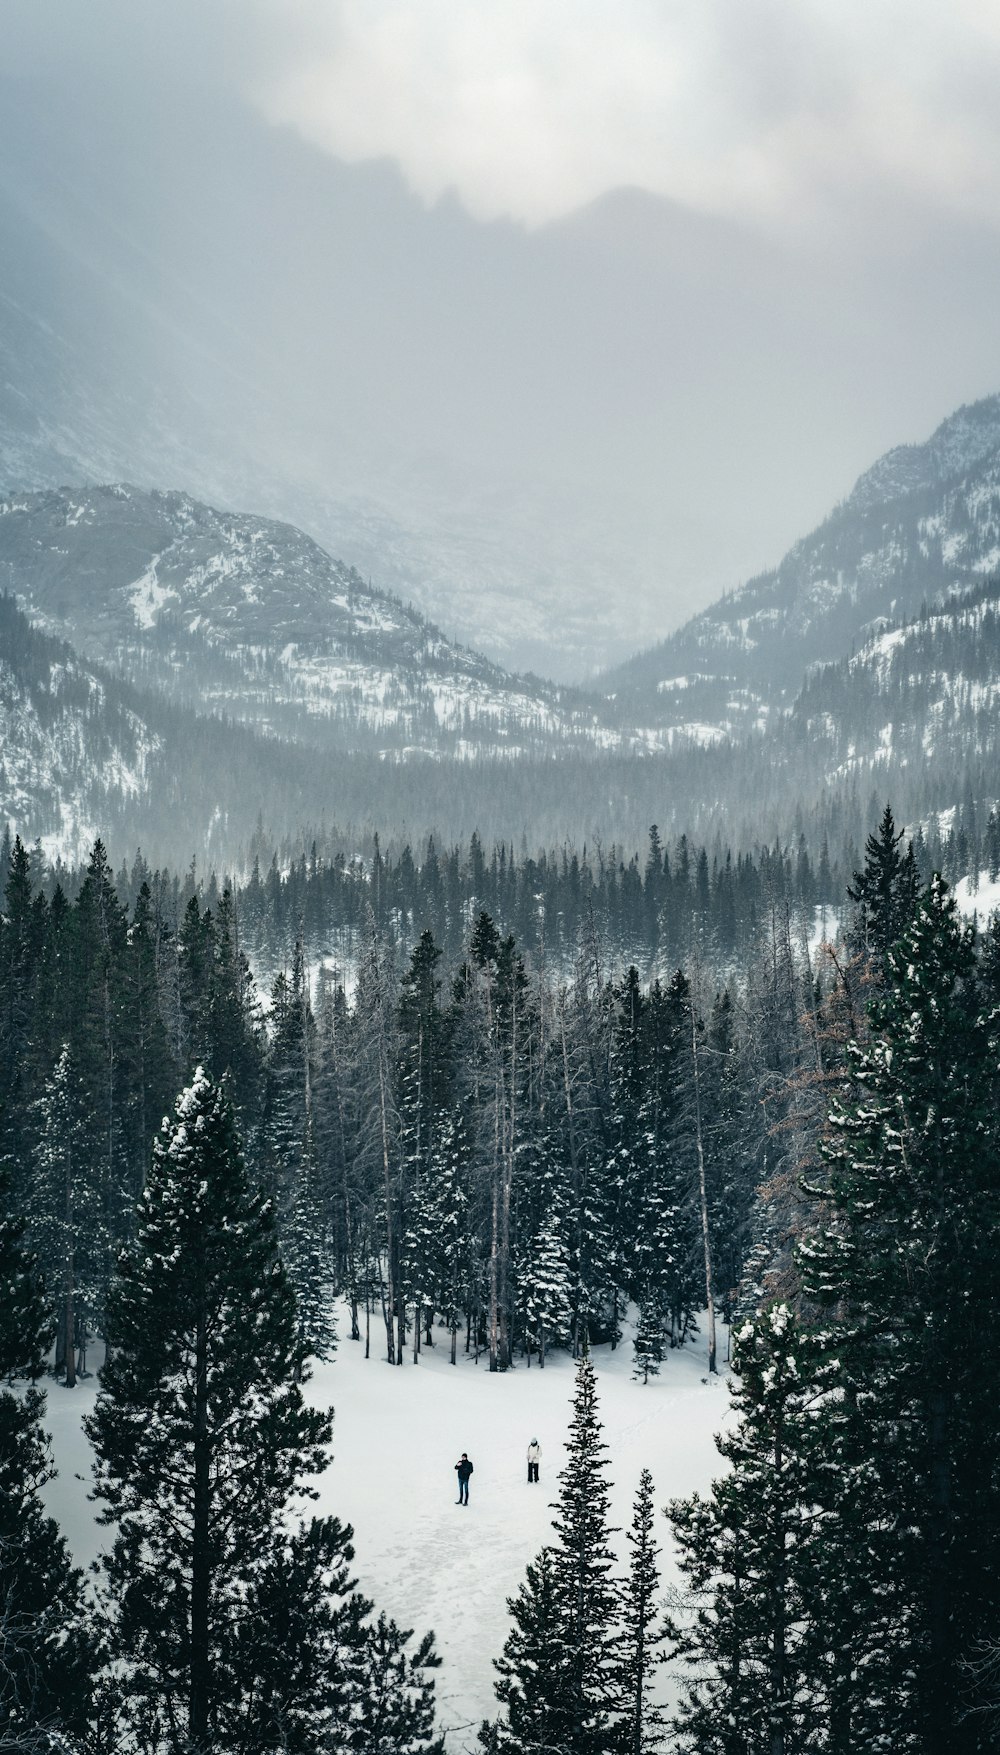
<point x="309" y="1672"/>
<point x="395" y="1713"/>
<point x="885" y="891"/>
<point x="748" y="1553"/>
<point x="845" y="1570"/>
<point x="67" y="1214"/>
<point x="198" y="1415"/>
<point x="913" y="1262"/>
<point x="47" y="1642"/>
<point x="26" y="1326"/>
<point x="643" y="1632"/>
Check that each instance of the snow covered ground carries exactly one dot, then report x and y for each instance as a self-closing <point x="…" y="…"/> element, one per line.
<point x="398" y="1434"/>
<point x="982" y="901"/>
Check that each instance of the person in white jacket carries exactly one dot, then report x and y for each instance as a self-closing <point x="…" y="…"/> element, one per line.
<point x="534" y="1455"/>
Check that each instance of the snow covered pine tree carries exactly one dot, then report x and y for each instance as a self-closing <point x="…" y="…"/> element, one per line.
<point x="910" y="1265"/>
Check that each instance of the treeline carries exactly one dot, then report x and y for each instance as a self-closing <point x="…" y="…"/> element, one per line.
<point x="86" y="746"/>
<point x="679" y="899"/>
<point x="508" y="1156"/>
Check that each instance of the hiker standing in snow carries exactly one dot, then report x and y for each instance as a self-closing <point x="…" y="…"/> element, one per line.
<point x="463" y="1470"/>
<point x="534" y="1456"/>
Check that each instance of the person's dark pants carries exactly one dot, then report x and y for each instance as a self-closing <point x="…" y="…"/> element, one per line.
<point x="463" y="1492"/>
<point x="532" y="1472"/>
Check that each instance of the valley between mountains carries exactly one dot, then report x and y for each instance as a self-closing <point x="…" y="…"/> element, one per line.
<point x="868" y="660"/>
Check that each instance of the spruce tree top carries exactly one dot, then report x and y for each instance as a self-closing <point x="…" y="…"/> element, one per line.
<point x="203" y="1297"/>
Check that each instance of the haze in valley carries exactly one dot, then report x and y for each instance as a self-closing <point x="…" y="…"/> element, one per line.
<point x="557" y="321"/>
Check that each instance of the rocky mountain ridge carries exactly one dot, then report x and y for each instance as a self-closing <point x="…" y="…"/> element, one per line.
<point x="233" y="613"/>
<point x="920" y="526"/>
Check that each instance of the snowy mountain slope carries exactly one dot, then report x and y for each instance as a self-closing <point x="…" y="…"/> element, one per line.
<point x="922" y="523"/>
<point x="917" y="696"/>
<point x="237" y="613"/>
<point x="72" y="751"/>
<point x="84" y="752"/>
<point x="965" y="438"/>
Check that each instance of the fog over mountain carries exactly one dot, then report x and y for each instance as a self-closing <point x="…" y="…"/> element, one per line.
<point x="557" y="442"/>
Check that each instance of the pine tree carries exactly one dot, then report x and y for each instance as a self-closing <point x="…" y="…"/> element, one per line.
<point x="67" y="1214"/>
<point x="298" y="1689"/>
<point x="909" y="1265"/>
<point x="307" y="1256"/>
<point x="395" y="1715"/>
<point x="747" y="1554"/>
<point x="544" y="1286"/>
<point x="423" y="1081"/>
<point x="643" y="1632"/>
<point x="326" y="1676"/>
<point x="198" y="1414"/>
<point x="18" y="975"/>
<point x="294" y="1176"/>
<point x="449" y="1214"/>
<point x="47" y="1641"/>
<point x="885" y="891"/>
<point x="573" y="1698"/>
<point x="648" y="1341"/>
<point x="99" y="1041"/>
<point x="27" y="1327"/>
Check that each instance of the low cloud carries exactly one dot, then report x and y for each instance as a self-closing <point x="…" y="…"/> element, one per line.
<point x="777" y="111"/>
<point x="788" y="113"/>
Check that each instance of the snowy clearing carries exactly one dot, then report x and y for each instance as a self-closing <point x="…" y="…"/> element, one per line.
<point x="983" y="901"/>
<point x="398" y="1434"/>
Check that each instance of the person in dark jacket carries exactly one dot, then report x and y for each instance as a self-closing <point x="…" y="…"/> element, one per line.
<point x="463" y="1470"/>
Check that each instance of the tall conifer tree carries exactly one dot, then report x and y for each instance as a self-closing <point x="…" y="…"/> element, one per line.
<point x="47" y="1643"/>
<point x="200" y="1430"/>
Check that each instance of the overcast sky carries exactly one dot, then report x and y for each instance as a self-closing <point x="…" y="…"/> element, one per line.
<point x="782" y="111"/>
<point x="778" y="109"/>
<point x="817" y="283"/>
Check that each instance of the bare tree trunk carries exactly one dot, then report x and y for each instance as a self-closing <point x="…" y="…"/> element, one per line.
<point x="706" y="1237"/>
<point x="200" y="1675"/>
<point x="352" y="1282"/>
<point x="493" y="1271"/>
<point x="389" y="1302"/>
<point x="69" y="1314"/>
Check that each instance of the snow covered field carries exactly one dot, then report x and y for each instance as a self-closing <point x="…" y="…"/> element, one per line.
<point x="398" y="1434"/>
<point x="982" y="901"/>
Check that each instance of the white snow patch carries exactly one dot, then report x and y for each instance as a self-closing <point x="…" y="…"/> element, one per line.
<point x="983" y="900"/>
<point x="824" y="930"/>
<point x="147" y="596"/>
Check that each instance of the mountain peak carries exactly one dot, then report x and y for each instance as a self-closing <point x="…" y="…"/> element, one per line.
<point x="960" y="442"/>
